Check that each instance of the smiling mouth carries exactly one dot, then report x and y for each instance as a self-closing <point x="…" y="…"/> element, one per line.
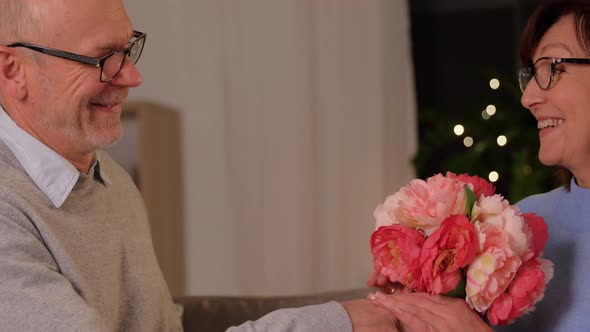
<point x="106" y="106"/>
<point x="549" y="123"/>
<point x="111" y="101"/>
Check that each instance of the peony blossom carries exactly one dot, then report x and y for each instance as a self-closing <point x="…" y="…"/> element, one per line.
<point x="384" y="214"/>
<point x="478" y="185"/>
<point x="425" y="204"/>
<point x="445" y="252"/>
<point x="490" y="273"/>
<point x="538" y="233"/>
<point x="497" y="211"/>
<point x="429" y="240"/>
<point x="396" y="252"/>
<point x="527" y="288"/>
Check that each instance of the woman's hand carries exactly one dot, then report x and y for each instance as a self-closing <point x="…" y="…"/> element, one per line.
<point x="431" y="313"/>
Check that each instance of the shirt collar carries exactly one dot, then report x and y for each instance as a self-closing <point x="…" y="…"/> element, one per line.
<point x="52" y="173"/>
<point x="575" y="188"/>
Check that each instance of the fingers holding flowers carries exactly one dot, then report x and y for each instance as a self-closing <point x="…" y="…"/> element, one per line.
<point x="382" y="282"/>
<point x="425" y="312"/>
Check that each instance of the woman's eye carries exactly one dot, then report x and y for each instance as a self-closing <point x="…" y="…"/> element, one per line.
<point x="559" y="69"/>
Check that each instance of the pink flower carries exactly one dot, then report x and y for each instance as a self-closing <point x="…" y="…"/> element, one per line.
<point x="497" y="211"/>
<point x="425" y="241"/>
<point x="490" y="273"/>
<point x="384" y="214"/>
<point x="478" y="185"/>
<point x="425" y="204"/>
<point x="527" y="288"/>
<point x="396" y="253"/>
<point x="539" y="235"/>
<point x="445" y="252"/>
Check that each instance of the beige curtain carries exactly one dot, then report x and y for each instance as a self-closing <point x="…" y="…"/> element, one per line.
<point x="299" y="117"/>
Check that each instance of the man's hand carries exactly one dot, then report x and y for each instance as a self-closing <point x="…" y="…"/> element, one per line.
<point x="382" y="282"/>
<point x="366" y="316"/>
<point x="432" y="313"/>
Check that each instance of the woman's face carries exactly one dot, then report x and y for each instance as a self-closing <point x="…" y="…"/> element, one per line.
<point x="563" y="111"/>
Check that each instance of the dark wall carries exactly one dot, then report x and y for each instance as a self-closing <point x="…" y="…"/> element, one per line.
<point x="458" y="47"/>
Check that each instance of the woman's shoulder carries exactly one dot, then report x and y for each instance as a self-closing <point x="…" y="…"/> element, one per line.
<point x="541" y="202"/>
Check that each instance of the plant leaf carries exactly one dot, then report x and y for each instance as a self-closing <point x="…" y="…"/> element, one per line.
<point x="459" y="291"/>
<point x="470" y="200"/>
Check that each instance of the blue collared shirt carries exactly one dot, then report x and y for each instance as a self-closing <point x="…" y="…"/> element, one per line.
<point x="53" y="174"/>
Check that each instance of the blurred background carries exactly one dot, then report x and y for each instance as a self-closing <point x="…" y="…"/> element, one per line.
<point x="266" y="131"/>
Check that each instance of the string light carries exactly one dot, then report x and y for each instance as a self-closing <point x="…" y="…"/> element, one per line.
<point x="459" y="130"/>
<point x="502" y="140"/>
<point x="468" y="141"/>
<point x="491" y="110"/>
<point x="494" y="83"/>
<point x="493" y="176"/>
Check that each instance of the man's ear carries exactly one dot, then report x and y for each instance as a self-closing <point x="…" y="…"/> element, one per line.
<point x="12" y="75"/>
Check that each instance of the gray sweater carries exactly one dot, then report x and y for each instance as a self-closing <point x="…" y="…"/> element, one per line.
<point x="87" y="265"/>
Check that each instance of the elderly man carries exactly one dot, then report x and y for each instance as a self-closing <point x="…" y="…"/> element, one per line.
<point x="75" y="246"/>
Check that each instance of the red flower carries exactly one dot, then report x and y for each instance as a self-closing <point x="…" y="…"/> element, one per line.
<point x="538" y="229"/>
<point x="527" y="288"/>
<point x="480" y="186"/>
<point x="445" y="252"/>
<point x="396" y="254"/>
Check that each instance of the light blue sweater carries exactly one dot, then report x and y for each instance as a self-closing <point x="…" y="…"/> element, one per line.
<point x="566" y="306"/>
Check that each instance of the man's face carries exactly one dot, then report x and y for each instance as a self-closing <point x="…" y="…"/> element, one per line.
<point x="72" y="111"/>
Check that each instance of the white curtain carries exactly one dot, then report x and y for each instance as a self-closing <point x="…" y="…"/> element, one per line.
<point x="299" y="118"/>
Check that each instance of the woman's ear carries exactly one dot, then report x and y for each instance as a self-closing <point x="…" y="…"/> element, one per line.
<point x="12" y="74"/>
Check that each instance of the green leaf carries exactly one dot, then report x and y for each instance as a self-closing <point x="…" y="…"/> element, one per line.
<point x="459" y="291"/>
<point x="469" y="201"/>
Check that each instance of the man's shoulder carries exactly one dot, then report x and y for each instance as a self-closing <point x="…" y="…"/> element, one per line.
<point x="16" y="192"/>
<point x="13" y="178"/>
<point x="17" y="188"/>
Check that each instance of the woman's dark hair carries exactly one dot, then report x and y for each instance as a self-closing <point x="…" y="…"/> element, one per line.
<point x="547" y="14"/>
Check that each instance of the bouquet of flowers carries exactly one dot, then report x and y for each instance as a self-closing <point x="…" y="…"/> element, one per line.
<point x="452" y="235"/>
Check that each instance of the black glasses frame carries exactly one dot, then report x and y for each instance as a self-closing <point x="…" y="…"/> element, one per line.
<point x="97" y="62"/>
<point x="526" y="73"/>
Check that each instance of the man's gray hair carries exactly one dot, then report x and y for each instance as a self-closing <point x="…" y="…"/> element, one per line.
<point x="16" y="20"/>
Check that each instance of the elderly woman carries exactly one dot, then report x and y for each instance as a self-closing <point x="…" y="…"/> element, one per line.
<point x="555" y="81"/>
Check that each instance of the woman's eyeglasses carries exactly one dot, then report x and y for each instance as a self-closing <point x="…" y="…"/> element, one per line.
<point x="543" y="70"/>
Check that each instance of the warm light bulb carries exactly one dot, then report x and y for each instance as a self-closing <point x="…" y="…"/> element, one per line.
<point x="491" y="110"/>
<point x="493" y="176"/>
<point x="468" y="141"/>
<point x="502" y="140"/>
<point x="459" y="130"/>
<point x="494" y="83"/>
<point x="485" y="115"/>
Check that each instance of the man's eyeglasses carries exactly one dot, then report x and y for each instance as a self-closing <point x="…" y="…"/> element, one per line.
<point x="110" y="65"/>
<point x="543" y="70"/>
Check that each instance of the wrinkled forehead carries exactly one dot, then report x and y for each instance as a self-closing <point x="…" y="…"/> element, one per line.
<point x="64" y="21"/>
